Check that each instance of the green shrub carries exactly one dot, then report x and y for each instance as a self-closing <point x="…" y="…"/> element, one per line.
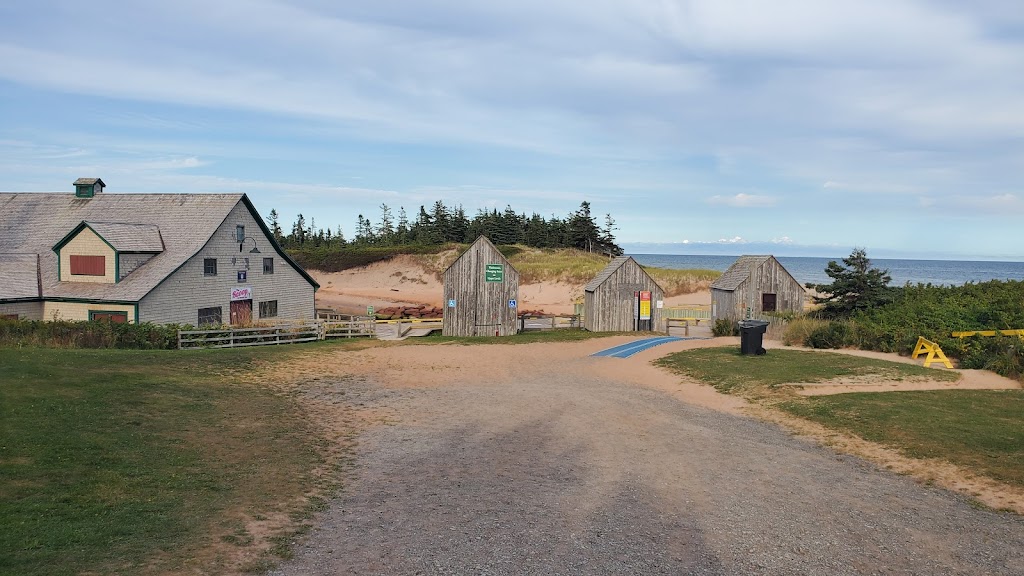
<point x="66" y="334"/>
<point x="934" y="312"/>
<point x="830" y="335"/>
<point x="725" y="327"/>
<point x="798" y="329"/>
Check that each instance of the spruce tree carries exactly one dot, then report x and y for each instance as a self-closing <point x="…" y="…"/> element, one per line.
<point x="855" y="286"/>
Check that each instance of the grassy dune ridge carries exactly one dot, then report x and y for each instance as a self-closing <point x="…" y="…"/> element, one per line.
<point x="572" y="266"/>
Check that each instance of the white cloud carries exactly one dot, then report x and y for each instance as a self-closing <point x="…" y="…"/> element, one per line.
<point x="816" y="102"/>
<point x="743" y="200"/>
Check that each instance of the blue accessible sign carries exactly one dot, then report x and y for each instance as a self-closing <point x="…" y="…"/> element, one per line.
<point x="511" y="303"/>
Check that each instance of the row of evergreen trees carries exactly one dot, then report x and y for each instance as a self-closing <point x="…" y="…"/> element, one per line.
<point x="443" y="224"/>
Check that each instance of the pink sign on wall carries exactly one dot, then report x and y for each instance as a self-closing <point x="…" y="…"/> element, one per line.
<point x="241" y="293"/>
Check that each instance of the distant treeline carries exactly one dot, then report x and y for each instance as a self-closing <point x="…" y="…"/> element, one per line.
<point x="444" y="224"/>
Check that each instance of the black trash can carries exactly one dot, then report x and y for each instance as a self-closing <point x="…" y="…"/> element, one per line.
<point x="751" y="334"/>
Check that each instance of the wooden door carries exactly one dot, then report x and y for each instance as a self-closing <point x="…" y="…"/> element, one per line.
<point x="241" y="312"/>
<point x="768" y="302"/>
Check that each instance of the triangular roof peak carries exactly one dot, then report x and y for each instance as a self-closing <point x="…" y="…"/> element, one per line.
<point x="738" y="273"/>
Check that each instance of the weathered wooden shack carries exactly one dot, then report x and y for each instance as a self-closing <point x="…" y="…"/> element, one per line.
<point x="481" y="293"/>
<point x="622" y="298"/>
<point x="754" y="285"/>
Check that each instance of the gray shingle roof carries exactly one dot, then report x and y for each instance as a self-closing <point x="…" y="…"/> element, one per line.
<point x="126" y="237"/>
<point x="738" y="273"/>
<point x="19" y="276"/>
<point x="88" y="182"/>
<point x="606" y="273"/>
<point x="32" y="223"/>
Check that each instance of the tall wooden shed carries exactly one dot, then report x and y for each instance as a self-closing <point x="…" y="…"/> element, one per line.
<point x="757" y="284"/>
<point x="481" y="293"/>
<point x="622" y="298"/>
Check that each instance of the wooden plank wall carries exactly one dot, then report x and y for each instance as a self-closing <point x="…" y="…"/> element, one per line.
<point x="481" y="308"/>
<point x="609" y="308"/>
<point x="768" y="278"/>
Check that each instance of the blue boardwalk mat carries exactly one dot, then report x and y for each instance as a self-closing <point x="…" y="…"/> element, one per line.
<point x="630" y="348"/>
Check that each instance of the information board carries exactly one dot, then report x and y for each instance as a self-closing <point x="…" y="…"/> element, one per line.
<point x="494" y="273"/>
<point x="645" y="305"/>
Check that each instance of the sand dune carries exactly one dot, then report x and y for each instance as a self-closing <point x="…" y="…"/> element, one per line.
<point x="402" y="281"/>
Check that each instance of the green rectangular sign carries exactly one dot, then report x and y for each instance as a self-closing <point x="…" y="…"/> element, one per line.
<point x="494" y="273"/>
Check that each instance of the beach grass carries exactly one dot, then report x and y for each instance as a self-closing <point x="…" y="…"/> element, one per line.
<point x="980" y="430"/>
<point x="128" y="462"/>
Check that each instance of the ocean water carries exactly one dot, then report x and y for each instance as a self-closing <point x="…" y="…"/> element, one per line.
<point x="805" y="269"/>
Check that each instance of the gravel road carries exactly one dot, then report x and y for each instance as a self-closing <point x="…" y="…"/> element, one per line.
<point x="560" y="468"/>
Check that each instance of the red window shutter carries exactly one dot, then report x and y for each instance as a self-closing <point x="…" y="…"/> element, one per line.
<point x="88" y="265"/>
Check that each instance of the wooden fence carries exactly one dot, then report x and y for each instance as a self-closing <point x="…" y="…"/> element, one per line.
<point x="696" y="313"/>
<point x="356" y="327"/>
<point x="533" y="323"/>
<point x="285" y="333"/>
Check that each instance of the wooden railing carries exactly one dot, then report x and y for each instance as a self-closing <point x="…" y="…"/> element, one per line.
<point x="357" y="328"/>
<point x="284" y="333"/>
<point x="402" y="326"/>
<point x="231" y="337"/>
<point x="527" y="323"/>
<point x="695" y="313"/>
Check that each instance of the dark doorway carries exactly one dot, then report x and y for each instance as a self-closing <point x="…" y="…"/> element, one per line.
<point x="767" y="302"/>
<point x="241" y="312"/>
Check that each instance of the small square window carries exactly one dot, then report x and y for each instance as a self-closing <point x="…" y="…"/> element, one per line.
<point x="268" y="309"/>
<point x="209" y="316"/>
<point x="268" y="265"/>
<point x="209" y="266"/>
<point x="239" y="233"/>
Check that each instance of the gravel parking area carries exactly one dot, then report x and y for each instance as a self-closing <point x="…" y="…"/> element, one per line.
<point x="538" y="459"/>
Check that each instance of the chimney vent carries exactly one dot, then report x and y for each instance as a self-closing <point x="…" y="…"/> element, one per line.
<point x="88" y="187"/>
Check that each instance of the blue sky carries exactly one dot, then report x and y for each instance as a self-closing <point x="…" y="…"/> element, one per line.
<point x="794" y="126"/>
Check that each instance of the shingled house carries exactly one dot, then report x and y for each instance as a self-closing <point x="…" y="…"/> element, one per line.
<point x="754" y="285"/>
<point x="162" y="258"/>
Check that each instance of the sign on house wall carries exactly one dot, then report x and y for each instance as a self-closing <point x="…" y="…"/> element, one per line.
<point x="241" y="293"/>
<point x="494" y="273"/>
<point x="645" y="305"/>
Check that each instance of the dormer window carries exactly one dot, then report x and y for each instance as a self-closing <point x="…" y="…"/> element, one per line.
<point x="88" y="265"/>
<point x="88" y="187"/>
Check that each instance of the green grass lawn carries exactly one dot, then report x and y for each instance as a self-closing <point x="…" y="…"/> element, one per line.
<point x="118" y="461"/>
<point x="980" y="430"/>
<point x="728" y="370"/>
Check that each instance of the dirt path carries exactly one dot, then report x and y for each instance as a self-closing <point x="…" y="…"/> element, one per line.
<point x="538" y="459"/>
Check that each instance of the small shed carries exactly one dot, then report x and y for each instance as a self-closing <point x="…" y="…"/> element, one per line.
<point x="481" y="293"/>
<point x="757" y="284"/>
<point x="622" y="298"/>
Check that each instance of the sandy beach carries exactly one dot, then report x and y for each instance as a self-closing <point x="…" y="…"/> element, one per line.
<point x="402" y="281"/>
